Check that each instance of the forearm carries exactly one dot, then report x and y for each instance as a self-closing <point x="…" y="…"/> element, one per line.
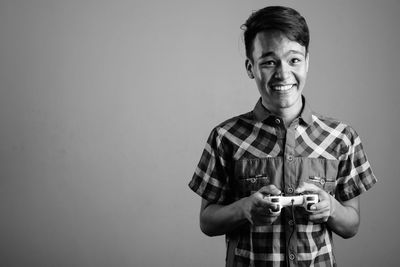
<point x="345" y="218"/>
<point x="220" y="219"/>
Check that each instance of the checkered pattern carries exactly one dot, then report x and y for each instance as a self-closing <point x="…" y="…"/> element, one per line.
<point x="252" y="150"/>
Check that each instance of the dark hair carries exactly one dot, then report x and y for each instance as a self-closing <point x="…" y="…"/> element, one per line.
<point x="276" y="18"/>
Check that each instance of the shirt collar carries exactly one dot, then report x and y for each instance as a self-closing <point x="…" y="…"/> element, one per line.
<point x="261" y="113"/>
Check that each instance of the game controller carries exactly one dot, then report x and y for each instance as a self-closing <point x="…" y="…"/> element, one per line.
<point x="300" y="200"/>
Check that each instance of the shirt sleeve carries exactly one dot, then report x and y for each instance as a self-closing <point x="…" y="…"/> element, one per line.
<point x="210" y="179"/>
<point x="355" y="175"/>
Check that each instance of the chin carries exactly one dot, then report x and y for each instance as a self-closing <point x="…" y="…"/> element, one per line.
<point x="285" y="104"/>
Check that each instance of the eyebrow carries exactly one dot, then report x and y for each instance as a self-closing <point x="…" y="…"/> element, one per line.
<point x="267" y="54"/>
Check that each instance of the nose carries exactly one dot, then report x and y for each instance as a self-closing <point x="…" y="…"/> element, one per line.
<point x="281" y="71"/>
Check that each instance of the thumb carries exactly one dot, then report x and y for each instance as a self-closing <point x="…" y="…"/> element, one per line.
<point x="307" y="187"/>
<point x="270" y="190"/>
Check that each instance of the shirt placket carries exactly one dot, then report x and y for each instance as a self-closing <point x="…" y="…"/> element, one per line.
<point x="290" y="183"/>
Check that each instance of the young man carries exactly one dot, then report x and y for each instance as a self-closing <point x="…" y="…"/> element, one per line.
<point x="280" y="148"/>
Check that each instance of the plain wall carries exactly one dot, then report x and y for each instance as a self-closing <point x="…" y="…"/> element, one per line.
<point x="105" y="107"/>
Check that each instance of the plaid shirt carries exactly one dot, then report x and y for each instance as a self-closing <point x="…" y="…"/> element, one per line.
<point x="255" y="149"/>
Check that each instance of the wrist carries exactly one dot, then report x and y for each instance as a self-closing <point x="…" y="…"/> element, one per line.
<point x="243" y="209"/>
<point x="333" y="206"/>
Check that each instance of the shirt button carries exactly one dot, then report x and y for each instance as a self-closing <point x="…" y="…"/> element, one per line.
<point x="291" y="257"/>
<point x="291" y="223"/>
<point x="290" y="158"/>
<point x="253" y="180"/>
<point x="290" y="190"/>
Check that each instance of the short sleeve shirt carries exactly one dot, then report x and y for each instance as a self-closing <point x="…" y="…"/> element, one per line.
<point x="255" y="149"/>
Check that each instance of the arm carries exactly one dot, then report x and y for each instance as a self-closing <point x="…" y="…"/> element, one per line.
<point x="218" y="219"/>
<point x="342" y="217"/>
<point x="345" y="218"/>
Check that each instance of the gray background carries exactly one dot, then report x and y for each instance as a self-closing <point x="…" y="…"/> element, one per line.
<point x="105" y="107"/>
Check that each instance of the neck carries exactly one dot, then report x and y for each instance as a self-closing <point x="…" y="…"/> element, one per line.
<point x="287" y="114"/>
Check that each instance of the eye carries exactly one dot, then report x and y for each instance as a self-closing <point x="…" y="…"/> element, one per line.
<point x="295" y="60"/>
<point x="268" y="63"/>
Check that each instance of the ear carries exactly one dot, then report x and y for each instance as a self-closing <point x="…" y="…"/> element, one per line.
<point x="249" y="68"/>
<point x="307" y="61"/>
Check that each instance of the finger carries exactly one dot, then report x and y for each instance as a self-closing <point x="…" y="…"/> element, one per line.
<point x="266" y="206"/>
<point x="323" y="205"/>
<point x="307" y="187"/>
<point x="259" y="195"/>
<point x="319" y="217"/>
<point x="270" y="190"/>
<point x="274" y="210"/>
<point x="260" y="200"/>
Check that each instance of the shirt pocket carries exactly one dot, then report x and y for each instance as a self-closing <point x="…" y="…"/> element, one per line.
<point x="253" y="174"/>
<point x="251" y="185"/>
<point x="328" y="184"/>
<point x="323" y="173"/>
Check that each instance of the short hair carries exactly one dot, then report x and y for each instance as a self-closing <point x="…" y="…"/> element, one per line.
<point x="276" y="18"/>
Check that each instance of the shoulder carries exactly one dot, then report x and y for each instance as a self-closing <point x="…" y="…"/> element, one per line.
<point x="336" y="127"/>
<point x="242" y="121"/>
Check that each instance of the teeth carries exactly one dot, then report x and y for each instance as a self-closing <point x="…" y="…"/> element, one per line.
<point x="282" y="87"/>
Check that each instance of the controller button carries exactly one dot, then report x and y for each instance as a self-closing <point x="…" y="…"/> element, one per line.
<point x="275" y="208"/>
<point x="275" y="200"/>
<point x="310" y="198"/>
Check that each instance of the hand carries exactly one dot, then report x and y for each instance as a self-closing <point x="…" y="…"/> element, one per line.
<point x="256" y="207"/>
<point x="321" y="211"/>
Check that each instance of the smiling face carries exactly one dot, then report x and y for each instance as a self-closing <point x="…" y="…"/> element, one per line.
<point x="279" y="67"/>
